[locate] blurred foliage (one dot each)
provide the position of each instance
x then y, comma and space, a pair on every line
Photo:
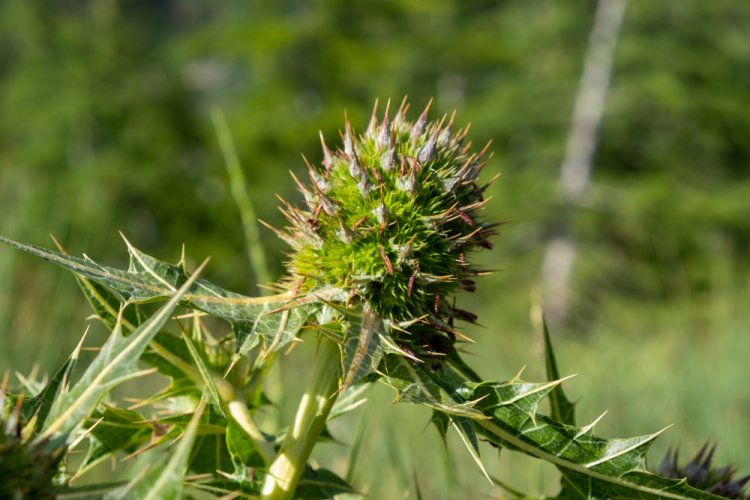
105, 126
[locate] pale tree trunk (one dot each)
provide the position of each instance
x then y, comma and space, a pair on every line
575, 173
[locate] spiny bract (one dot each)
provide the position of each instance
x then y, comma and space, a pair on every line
390, 218
27, 469
700, 473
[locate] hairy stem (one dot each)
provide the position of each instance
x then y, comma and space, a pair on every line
312, 414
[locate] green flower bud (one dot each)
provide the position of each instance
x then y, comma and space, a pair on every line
391, 218
700, 473
27, 469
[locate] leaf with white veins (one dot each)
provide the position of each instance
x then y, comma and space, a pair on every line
148, 279
115, 363
165, 481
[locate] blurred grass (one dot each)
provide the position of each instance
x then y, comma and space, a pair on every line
106, 127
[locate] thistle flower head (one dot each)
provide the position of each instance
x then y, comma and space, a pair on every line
391, 217
700, 473
27, 468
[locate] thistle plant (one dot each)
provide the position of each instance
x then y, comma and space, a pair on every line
380, 246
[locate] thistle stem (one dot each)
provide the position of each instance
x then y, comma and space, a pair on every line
314, 407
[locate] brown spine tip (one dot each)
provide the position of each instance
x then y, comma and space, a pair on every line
386, 260
359, 222
373, 125
446, 135
465, 217
306, 194
289, 240
327, 158
410, 285
418, 128
401, 113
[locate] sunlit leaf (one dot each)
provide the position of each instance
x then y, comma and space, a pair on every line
562, 409
321, 484
116, 429
592, 467
254, 319
416, 385
362, 348
115, 363
164, 481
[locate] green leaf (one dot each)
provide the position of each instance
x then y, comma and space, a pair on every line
466, 431
362, 348
107, 305
39, 406
115, 363
562, 409
210, 453
170, 356
418, 386
506, 415
148, 279
118, 429
592, 467
86, 492
321, 484
208, 379
276, 327
166, 481
242, 449
349, 400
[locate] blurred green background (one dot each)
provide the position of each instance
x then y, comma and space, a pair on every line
105, 126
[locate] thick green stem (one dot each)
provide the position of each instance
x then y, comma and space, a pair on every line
311, 417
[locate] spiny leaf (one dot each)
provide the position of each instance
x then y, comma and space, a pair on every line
114, 364
170, 356
362, 350
213, 393
592, 467
242, 449
321, 484
416, 385
148, 279
466, 431
165, 482
562, 409
276, 328
39, 406
118, 429
107, 305
87, 491
348, 400
506, 415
